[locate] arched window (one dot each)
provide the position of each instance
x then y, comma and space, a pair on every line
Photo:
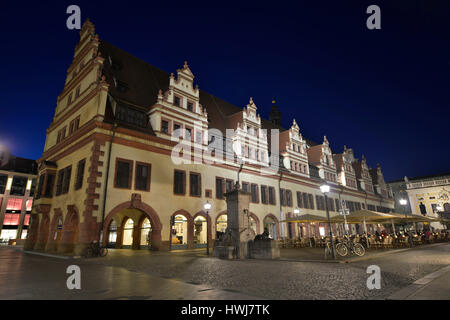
200, 231
128, 233
145, 231
112, 234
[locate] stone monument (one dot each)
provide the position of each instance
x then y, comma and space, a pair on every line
238, 241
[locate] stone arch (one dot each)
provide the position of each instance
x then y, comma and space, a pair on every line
277, 224
258, 223
70, 230
208, 219
190, 226
147, 210
54, 235
220, 214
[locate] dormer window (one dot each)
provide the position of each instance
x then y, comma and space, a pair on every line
165, 126
176, 101
190, 106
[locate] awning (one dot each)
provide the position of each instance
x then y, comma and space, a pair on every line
363, 216
306, 218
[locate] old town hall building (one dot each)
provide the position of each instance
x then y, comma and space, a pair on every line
107, 167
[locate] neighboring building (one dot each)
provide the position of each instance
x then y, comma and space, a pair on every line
17, 186
107, 160
427, 195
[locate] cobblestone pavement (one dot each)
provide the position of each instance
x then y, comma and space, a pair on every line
288, 279
141, 274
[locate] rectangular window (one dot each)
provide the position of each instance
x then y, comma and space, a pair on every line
80, 174
219, 188
330, 204
272, 195
14, 205
299, 200
3, 179
142, 179
245, 186
264, 194
59, 182
66, 181
18, 186
176, 101
131, 116
70, 128
69, 99
306, 201
165, 126
283, 197
190, 106
336, 204
198, 136
177, 130
11, 219
311, 201
255, 195
289, 198
188, 134
179, 182
229, 185
48, 193
195, 186
29, 205
124, 170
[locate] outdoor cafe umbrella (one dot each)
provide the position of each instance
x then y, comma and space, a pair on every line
305, 218
364, 216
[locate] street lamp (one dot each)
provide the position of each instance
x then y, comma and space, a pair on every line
296, 211
325, 189
404, 202
207, 207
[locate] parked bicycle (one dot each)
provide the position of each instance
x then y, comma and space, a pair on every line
347, 245
95, 250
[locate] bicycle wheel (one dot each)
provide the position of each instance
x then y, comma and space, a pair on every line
341, 249
103, 252
359, 249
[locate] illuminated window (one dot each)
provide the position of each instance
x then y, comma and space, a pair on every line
26, 222
29, 204
11, 219
14, 204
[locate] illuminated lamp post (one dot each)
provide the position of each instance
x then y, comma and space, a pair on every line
325, 189
207, 207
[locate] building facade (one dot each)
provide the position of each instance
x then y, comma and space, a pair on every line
427, 196
17, 188
132, 149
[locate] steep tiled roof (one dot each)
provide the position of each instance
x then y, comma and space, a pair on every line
137, 82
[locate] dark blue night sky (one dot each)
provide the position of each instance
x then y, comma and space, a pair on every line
384, 93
